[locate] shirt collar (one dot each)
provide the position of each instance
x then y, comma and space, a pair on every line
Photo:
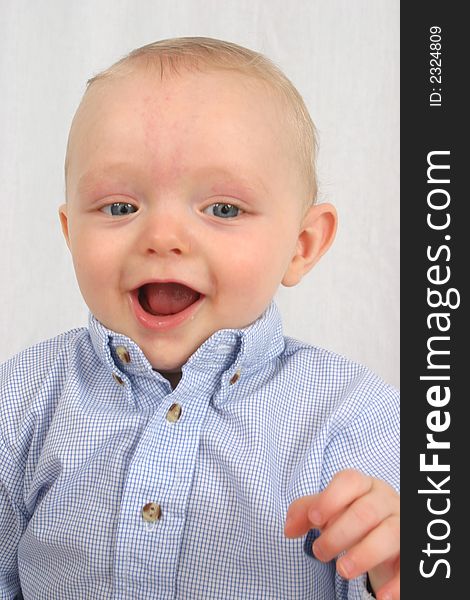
227, 351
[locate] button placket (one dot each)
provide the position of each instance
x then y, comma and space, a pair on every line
157, 473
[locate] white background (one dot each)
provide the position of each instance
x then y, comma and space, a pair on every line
342, 55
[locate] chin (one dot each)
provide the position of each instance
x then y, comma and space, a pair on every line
166, 366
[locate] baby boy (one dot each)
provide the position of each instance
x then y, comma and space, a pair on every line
181, 446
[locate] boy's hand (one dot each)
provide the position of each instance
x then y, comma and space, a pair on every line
359, 515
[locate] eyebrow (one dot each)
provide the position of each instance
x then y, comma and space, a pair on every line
230, 177
227, 177
92, 177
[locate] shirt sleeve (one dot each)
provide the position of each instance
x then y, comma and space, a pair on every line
16, 389
13, 522
368, 441
366, 436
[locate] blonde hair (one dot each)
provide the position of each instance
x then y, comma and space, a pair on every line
196, 52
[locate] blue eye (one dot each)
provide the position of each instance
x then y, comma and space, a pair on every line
119, 209
225, 211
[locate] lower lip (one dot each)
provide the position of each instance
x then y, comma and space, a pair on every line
162, 322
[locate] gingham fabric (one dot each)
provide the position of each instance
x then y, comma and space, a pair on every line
95, 446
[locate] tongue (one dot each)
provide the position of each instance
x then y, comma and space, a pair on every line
166, 298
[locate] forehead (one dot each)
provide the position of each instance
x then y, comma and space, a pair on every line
210, 119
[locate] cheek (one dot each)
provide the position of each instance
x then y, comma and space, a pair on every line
250, 268
93, 258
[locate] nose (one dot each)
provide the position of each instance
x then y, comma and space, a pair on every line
165, 232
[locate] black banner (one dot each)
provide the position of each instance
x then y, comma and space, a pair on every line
434, 293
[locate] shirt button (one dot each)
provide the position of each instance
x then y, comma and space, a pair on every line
151, 512
174, 413
123, 354
235, 377
118, 379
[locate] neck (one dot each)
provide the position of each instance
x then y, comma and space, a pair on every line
173, 377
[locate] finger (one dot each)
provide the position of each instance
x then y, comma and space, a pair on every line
349, 527
297, 521
381, 545
342, 490
390, 591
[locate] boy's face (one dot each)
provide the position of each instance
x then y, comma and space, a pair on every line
190, 179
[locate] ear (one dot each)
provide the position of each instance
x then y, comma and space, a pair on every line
317, 232
64, 222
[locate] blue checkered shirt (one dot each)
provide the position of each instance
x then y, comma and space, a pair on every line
113, 485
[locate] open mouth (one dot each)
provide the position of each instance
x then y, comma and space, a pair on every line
164, 299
